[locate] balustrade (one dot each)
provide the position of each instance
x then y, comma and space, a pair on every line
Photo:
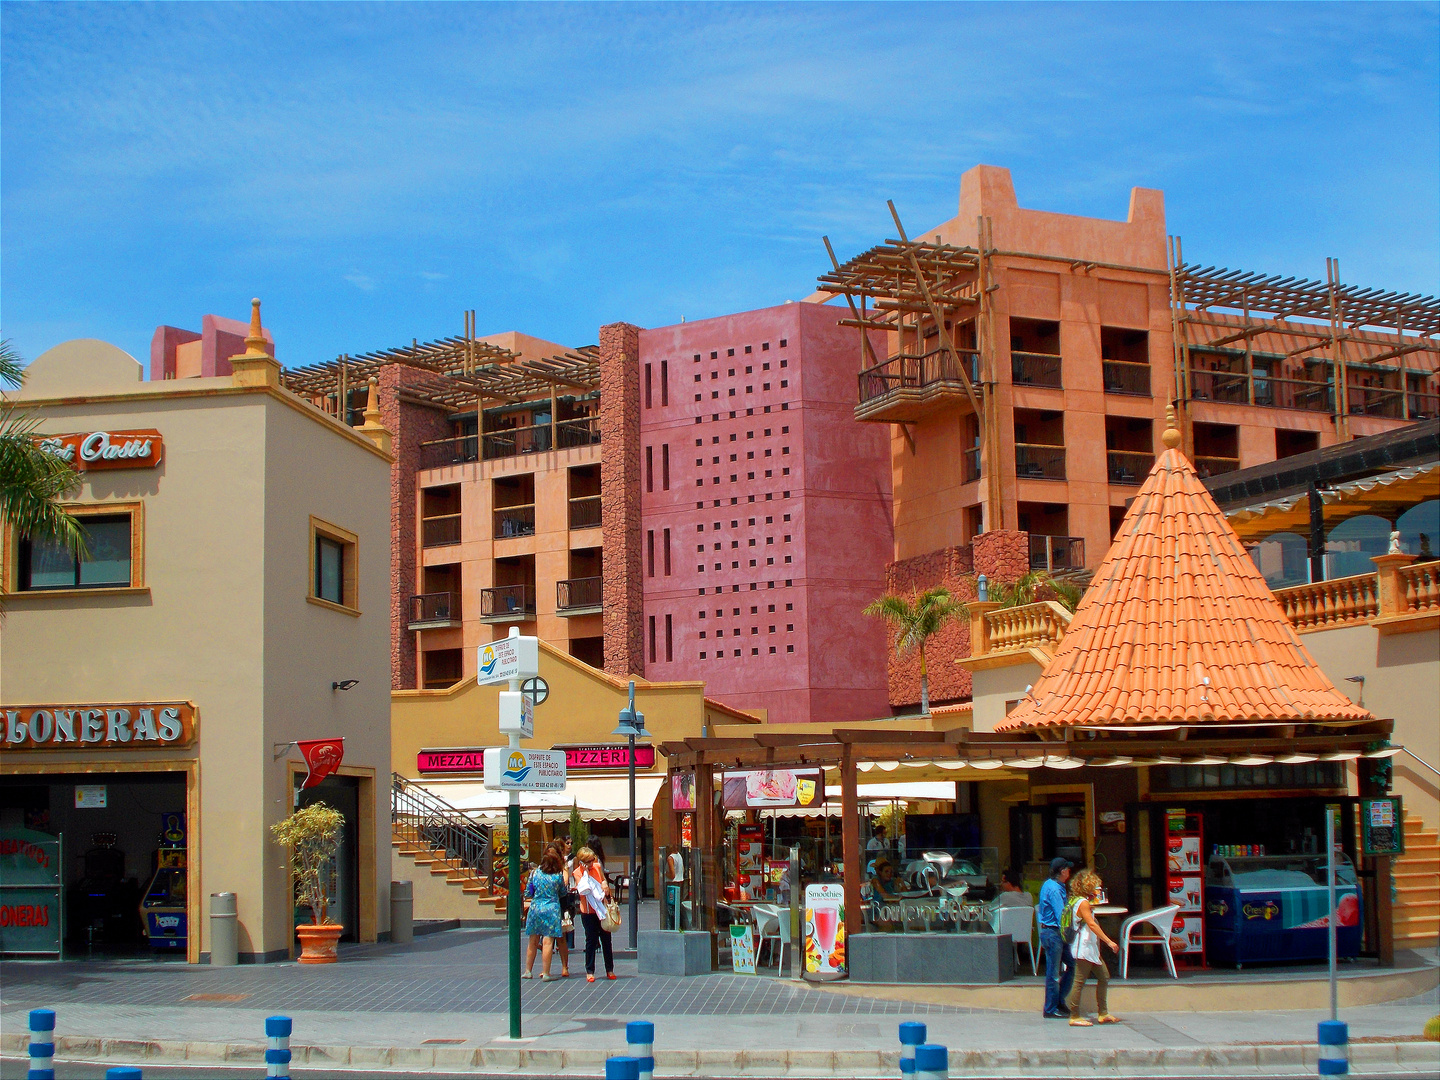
1033, 626
1325, 604
1421, 586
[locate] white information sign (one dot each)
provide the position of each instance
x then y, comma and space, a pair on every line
513, 657
524, 770
90, 797
517, 714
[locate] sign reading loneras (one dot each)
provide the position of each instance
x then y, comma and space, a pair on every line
88, 450
100, 727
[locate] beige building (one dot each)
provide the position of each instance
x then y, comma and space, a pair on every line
235, 598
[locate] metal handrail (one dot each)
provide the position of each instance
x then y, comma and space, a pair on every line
441, 825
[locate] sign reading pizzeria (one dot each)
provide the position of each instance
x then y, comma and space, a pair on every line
89, 450
577, 759
101, 727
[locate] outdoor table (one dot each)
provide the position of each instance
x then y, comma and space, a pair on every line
1109, 909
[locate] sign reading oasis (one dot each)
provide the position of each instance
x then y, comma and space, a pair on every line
87, 450
101, 727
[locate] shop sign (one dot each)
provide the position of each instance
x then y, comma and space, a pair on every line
577, 759
322, 757
824, 932
29, 892
773, 788
107, 727
89, 450
524, 770
1382, 826
516, 657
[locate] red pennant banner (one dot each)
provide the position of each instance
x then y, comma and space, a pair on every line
322, 757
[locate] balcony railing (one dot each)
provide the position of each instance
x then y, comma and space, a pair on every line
1208, 465
585, 512
507, 603
1053, 553
1038, 461
972, 465
1424, 406
440, 530
1126, 377
1376, 401
1234, 387
510, 442
1128, 467
1338, 602
1035, 369
1033, 626
1421, 586
906, 371
575, 594
511, 521
431, 610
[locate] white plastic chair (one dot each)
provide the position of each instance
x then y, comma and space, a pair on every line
1019, 923
767, 926
1159, 920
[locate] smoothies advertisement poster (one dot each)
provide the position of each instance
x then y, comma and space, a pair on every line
777, 788
824, 932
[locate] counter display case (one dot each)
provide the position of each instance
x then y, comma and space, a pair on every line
1268, 908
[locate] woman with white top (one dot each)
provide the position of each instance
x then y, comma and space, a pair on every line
594, 890
1086, 950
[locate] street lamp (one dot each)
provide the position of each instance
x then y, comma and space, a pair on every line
632, 723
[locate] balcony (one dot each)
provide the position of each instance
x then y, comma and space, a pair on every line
578, 596
440, 531
1233, 387
434, 611
908, 387
514, 521
1124, 377
585, 512
1128, 467
1053, 553
1207, 465
507, 603
1035, 461
511, 442
456, 451
1035, 369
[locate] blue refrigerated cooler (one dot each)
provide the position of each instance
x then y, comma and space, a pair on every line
1277, 907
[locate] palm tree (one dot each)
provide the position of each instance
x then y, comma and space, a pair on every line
32, 481
1023, 591
917, 619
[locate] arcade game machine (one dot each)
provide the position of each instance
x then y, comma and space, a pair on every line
163, 909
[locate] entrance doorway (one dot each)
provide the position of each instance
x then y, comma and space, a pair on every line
340, 793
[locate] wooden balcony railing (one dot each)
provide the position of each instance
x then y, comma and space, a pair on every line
1128, 467
1326, 604
1039, 461
574, 593
585, 512
1126, 377
1034, 369
507, 602
915, 371
1212, 465
510, 442
511, 521
440, 530
431, 610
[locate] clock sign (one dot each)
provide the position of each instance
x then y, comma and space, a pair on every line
536, 689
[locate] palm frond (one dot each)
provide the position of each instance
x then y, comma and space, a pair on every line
916, 618
12, 368
32, 482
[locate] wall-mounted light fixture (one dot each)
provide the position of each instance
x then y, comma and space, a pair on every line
345, 684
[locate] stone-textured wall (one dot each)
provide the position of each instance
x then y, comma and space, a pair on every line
410, 424
1002, 555
623, 613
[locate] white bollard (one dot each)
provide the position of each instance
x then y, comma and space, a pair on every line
912, 1034
640, 1044
277, 1054
42, 1045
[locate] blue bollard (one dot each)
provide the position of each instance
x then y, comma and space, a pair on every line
123, 1072
932, 1062
912, 1034
640, 1043
277, 1054
1334, 1048
622, 1068
42, 1045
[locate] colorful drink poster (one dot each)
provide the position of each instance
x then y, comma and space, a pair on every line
682, 791
824, 932
742, 948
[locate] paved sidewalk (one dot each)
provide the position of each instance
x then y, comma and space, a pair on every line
441, 1005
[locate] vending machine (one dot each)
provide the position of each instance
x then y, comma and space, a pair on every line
1185, 876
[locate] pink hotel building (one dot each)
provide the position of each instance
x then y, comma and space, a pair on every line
765, 514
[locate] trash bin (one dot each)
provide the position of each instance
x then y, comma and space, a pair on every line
224, 930
402, 912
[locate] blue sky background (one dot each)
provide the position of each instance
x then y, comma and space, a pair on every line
373, 170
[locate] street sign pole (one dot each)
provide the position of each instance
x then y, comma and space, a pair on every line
514, 905
632, 723
1330, 922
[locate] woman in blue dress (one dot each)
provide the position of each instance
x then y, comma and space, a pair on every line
542, 924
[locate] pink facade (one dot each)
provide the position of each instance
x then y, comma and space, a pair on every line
184, 354
765, 515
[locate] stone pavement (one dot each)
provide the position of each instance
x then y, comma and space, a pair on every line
441, 1004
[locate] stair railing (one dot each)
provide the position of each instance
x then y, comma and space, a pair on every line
440, 825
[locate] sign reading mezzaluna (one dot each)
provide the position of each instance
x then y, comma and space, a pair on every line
577, 758
100, 727
88, 450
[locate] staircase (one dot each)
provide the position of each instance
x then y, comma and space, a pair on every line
1417, 887
451, 846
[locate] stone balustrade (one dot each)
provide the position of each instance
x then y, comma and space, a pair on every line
1033, 626
1326, 604
1421, 585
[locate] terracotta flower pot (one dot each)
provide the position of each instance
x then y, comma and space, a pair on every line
317, 943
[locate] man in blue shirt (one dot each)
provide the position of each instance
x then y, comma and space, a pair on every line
1059, 965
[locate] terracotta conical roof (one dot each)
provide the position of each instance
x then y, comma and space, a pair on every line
1175, 601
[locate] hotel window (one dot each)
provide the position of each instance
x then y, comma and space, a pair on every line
665, 466
652, 639
664, 382
334, 556
669, 639
650, 552
649, 468
667, 554
112, 559
647, 386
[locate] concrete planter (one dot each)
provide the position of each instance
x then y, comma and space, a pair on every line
674, 952
931, 958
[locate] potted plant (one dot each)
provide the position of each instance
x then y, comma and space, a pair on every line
312, 836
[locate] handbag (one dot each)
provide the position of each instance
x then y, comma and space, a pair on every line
611, 922
569, 900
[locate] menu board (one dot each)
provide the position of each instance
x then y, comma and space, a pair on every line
1184, 842
749, 846
1382, 826
742, 948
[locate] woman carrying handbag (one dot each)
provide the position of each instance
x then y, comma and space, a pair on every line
596, 900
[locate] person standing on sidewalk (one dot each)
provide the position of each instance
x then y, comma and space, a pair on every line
542, 924
1088, 937
594, 890
1059, 966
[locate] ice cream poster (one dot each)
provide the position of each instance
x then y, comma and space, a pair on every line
772, 788
824, 932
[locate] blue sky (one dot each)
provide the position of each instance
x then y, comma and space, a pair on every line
371, 171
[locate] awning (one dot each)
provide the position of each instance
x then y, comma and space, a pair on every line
597, 798
1291, 513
